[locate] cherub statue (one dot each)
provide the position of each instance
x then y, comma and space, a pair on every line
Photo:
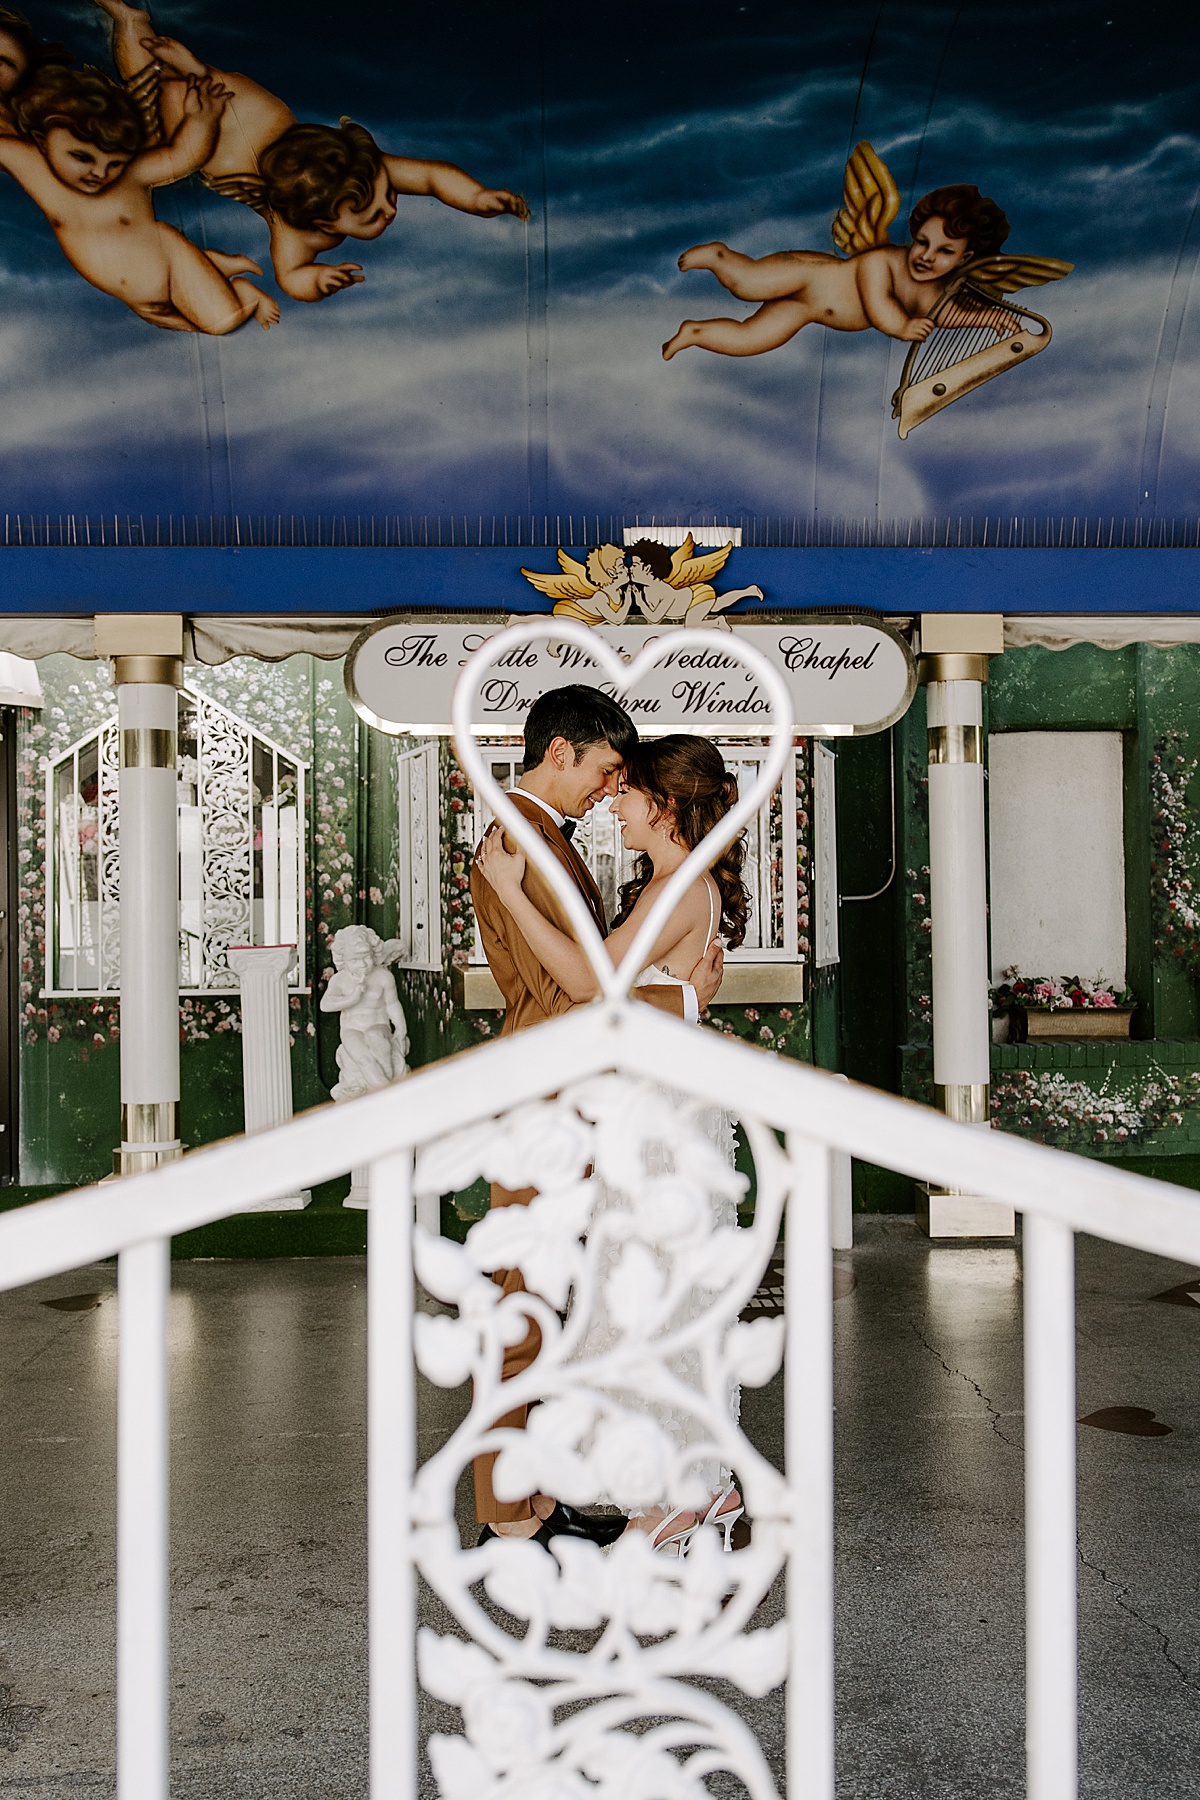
374, 1029
662, 586
956, 234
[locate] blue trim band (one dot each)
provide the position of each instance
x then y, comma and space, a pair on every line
333, 581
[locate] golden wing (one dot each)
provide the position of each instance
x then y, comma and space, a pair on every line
144, 89
248, 189
687, 568
870, 201
999, 275
572, 584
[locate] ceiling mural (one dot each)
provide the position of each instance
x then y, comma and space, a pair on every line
481, 239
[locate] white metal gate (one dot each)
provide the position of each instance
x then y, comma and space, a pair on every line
627, 1172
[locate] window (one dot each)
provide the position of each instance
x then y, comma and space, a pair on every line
1056, 830
770, 870
825, 876
241, 853
420, 912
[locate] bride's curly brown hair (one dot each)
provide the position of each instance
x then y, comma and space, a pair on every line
687, 777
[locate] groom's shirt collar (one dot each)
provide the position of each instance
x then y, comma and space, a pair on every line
551, 811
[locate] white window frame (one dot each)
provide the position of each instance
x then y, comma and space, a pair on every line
826, 950
418, 794
276, 882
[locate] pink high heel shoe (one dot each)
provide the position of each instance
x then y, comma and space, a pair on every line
725, 1520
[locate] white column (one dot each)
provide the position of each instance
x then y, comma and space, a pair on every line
958, 910
958, 897
262, 971
147, 709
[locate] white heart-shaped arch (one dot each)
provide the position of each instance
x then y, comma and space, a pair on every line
615, 982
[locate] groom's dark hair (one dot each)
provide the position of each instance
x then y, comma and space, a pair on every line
582, 715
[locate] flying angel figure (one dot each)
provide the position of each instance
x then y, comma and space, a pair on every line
949, 281
662, 586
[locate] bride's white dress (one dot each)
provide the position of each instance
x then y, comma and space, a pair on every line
603, 1334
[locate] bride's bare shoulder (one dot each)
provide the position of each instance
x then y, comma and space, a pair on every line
690, 909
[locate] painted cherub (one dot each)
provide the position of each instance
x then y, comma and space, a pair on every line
956, 232
315, 185
374, 1031
664, 586
22, 55
81, 156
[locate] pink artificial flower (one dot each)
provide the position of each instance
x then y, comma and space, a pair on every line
1102, 998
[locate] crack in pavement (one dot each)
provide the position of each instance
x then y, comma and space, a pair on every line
994, 1416
1121, 1595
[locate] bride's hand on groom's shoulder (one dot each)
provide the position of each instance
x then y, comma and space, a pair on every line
503, 869
708, 972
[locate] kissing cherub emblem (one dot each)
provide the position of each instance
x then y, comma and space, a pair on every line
944, 293
649, 581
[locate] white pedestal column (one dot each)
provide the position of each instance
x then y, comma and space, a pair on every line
147, 708
958, 909
262, 971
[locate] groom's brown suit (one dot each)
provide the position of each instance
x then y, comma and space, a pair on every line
531, 996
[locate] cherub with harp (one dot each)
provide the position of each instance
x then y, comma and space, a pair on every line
950, 280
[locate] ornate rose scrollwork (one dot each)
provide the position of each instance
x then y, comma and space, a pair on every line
612, 1709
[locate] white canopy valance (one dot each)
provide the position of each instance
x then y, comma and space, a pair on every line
1108, 631
206, 640
216, 640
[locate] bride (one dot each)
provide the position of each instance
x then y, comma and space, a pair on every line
674, 790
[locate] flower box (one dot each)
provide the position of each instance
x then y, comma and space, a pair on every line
1077, 1024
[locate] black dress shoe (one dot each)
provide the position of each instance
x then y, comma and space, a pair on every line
602, 1529
541, 1536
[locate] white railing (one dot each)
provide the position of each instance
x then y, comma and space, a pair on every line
413, 1132
636, 1279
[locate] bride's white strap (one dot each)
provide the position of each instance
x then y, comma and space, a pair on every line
712, 911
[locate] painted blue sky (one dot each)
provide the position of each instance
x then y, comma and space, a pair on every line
490, 367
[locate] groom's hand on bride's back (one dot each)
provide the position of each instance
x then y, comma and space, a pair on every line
707, 977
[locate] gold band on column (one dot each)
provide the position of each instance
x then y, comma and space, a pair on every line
159, 671
952, 665
955, 743
149, 747
970, 1102
149, 1136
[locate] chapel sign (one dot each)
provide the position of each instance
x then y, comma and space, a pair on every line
847, 677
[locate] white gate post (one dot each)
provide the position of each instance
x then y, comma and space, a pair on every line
808, 1460
147, 657
954, 667
1051, 1587
262, 971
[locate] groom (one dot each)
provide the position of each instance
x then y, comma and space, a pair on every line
576, 741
